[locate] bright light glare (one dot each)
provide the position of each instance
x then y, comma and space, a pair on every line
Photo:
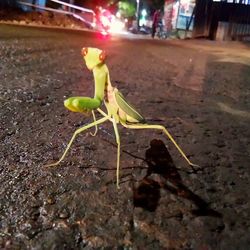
144, 12
104, 33
118, 14
105, 21
116, 26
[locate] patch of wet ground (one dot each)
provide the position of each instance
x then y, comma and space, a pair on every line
162, 203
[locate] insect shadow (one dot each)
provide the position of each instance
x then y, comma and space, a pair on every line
163, 174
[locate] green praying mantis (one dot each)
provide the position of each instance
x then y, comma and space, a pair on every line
118, 109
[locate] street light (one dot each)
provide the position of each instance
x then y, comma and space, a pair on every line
143, 17
138, 14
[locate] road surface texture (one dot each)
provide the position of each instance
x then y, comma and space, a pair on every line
199, 90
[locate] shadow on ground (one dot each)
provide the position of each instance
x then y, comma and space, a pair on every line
160, 162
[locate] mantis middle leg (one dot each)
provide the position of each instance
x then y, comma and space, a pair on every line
96, 128
117, 136
165, 131
78, 131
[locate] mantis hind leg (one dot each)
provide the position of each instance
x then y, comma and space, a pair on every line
165, 131
74, 136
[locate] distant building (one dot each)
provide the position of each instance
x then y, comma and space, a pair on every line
222, 19
213, 19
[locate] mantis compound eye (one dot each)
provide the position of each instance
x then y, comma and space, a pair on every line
84, 51
102, 56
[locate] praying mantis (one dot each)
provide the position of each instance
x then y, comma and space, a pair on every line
119, 111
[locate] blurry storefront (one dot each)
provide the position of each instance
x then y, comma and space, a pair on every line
213, 19
179, 15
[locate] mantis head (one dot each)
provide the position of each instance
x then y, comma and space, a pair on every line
93, 57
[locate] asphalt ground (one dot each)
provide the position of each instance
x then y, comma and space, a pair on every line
198, 90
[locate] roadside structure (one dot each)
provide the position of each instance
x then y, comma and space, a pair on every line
212, 19
222, 20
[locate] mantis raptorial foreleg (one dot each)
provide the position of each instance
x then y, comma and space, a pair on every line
165, 131
78, 131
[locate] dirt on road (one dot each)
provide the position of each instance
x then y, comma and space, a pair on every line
198, 90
